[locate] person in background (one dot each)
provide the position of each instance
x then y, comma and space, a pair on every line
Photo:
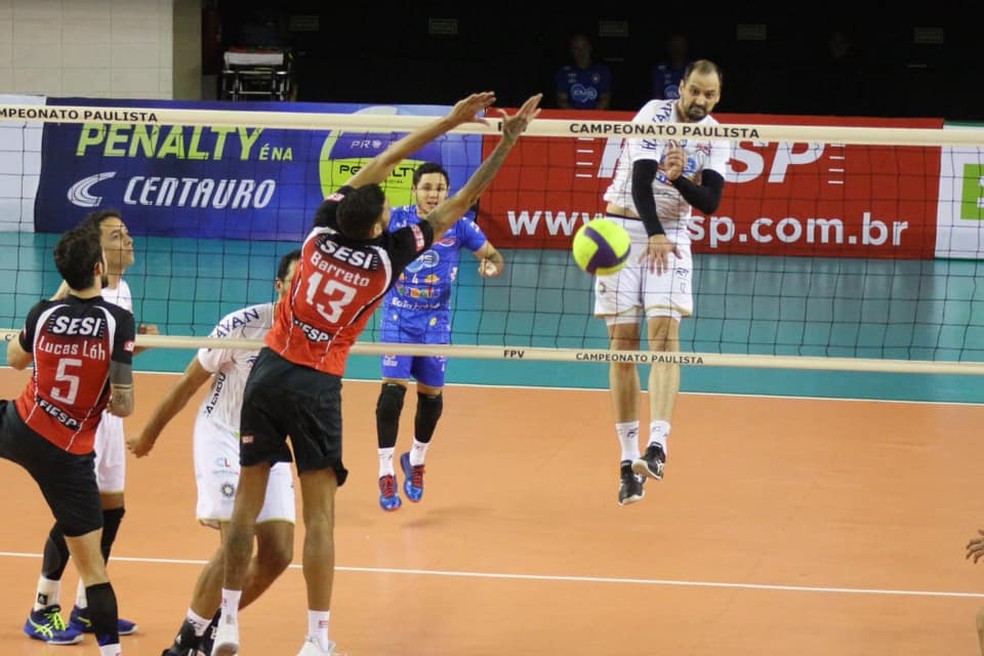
668, 73
584, 83
216, 440
417, 310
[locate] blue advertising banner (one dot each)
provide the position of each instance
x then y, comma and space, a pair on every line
221, 181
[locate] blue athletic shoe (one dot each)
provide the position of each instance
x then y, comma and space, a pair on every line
49, 625
79, 620
413, 475
389, 500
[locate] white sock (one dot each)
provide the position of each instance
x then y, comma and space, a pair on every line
318, 627
418, 452
200, 623
628, 436
230, 604
48, 593
110, 650
659, 431
80, 599
386, 461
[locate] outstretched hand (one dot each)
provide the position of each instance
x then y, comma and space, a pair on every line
466, 110
515, 125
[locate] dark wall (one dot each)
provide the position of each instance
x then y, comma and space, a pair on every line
385, 55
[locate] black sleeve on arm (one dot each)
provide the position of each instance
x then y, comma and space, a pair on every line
643, 174
126, 335
408, 242
707, 195
27, 333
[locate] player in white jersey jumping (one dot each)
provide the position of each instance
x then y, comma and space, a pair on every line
45, 621
216, 455
656, 184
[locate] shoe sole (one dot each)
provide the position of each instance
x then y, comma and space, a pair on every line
56, 643
225, 649
392, 508
641, 467
629, 501
89, 631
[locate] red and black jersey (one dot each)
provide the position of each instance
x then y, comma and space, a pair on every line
73, 341
337, 285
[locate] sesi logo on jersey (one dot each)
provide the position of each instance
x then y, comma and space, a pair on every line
85, 326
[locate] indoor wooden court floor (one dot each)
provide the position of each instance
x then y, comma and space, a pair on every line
784, 526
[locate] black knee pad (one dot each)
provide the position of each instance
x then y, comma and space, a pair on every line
388, 409
111, 526
429, 409
55, 555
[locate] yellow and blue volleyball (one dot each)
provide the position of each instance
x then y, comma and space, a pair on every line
601, 246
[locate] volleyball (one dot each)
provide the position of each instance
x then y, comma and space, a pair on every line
601, 246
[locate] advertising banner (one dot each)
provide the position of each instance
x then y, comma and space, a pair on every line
220, 181
809, 199
960, 230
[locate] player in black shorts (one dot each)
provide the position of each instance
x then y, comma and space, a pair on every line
82, 350
348, 262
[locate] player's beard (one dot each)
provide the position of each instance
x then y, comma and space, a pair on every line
696, 112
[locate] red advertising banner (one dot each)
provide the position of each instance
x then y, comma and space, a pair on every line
807, 199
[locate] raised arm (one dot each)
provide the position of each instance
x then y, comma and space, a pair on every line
382, 165
449, 211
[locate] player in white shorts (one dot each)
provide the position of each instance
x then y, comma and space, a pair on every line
216, 456
655, 185
110, 461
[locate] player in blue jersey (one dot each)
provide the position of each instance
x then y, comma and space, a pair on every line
417, 310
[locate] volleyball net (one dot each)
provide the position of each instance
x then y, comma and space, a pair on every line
850, 247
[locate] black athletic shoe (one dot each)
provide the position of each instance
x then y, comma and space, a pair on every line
208, 638
185, 643
630, 488
651, 463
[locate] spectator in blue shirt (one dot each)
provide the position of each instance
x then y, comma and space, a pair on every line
668, 73
584, 84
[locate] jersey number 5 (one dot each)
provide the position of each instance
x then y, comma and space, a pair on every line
68, 393
335, 295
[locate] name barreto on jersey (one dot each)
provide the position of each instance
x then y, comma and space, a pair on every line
333, 258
